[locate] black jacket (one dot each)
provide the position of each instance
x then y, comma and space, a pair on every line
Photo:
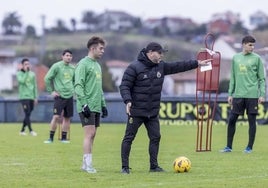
142, 83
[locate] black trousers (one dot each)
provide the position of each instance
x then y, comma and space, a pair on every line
28, 106
153, 132
232, 128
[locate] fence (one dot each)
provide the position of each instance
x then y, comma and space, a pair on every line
173, 111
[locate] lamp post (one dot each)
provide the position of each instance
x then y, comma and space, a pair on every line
43, 38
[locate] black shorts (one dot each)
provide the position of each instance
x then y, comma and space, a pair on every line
94, 119
239, 106
63, 105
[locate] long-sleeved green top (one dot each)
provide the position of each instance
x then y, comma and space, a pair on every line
247, 76
60, 78
88, 85
27, 85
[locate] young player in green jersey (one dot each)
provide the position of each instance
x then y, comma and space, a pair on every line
246, 91
59, 82
90, 99
27, 94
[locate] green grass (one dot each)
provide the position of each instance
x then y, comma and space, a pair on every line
26, 162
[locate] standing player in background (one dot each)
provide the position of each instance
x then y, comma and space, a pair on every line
246, 91
90, 98
27, 94
59, 82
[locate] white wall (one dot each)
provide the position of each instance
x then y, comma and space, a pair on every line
7, 72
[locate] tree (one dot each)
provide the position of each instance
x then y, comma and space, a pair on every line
12, 24
239, 28
262, 27
89, 18
73, 23
30, 31
137, 23
60, 27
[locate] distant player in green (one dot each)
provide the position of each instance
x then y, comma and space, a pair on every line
27, 94
90, 98
246, 91
59, 82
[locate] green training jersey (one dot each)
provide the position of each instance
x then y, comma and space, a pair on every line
60, 78
247, 76
88, 85
27, 85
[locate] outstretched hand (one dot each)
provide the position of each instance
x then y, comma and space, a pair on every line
204, 62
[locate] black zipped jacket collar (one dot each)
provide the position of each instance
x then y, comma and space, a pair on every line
142, 57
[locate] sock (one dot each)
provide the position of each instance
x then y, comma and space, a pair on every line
64, 135
51, 135
88, 159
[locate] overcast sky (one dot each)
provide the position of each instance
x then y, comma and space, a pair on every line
30, 11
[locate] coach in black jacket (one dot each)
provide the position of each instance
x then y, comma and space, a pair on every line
141, 92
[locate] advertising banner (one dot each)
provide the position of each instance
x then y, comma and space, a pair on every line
185, 113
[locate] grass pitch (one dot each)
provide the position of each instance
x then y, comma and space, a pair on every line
25, 161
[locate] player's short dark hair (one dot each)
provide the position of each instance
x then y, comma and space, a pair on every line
248, 39
23, 60
94, 41
67, 51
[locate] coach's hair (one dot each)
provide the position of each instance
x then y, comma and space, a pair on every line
248, 39
67, 51
23, 60
95, 40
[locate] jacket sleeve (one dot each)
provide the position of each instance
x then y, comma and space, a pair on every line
127, 83
232, 80
35, 88
22, 76
103, 103
49, 78
181, 66
79, 86
261, 78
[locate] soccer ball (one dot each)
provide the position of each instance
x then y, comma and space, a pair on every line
181, 164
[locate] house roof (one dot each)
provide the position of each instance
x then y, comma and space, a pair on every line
226, 50
116, 13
